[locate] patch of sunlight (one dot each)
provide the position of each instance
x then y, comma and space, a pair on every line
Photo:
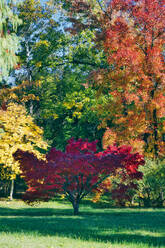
134, 232
148, 233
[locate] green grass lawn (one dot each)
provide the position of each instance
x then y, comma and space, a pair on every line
52, 225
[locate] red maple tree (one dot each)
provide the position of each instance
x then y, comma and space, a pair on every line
77, 171
132, 33
134, 45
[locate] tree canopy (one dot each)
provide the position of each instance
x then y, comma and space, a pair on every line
9, 41
77, 171
17, 131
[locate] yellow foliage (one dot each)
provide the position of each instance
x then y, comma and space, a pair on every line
97, 196
39, 64
63, 196
55, 116
109, 138
107, 185
19, 132
77, 114
68, 105
42, 43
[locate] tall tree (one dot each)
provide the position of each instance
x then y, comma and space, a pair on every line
38, 26
9, 42
52, 75
67, 109
132, 34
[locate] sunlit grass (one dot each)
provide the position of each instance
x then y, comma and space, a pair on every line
52, 225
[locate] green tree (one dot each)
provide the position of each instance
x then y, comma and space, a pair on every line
67, 109
9, 42
53, 77
151, 188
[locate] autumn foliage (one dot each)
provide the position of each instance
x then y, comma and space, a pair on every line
134, 45
132, 36
17, 131
77, 171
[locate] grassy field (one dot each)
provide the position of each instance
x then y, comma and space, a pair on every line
52, 225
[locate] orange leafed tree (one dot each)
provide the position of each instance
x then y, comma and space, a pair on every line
132, 33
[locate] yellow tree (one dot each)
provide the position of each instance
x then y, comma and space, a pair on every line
17, 131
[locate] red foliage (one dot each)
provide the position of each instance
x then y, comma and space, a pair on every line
134, 45
77, 171
131, 32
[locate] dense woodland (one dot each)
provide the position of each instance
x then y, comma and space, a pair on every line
82, 96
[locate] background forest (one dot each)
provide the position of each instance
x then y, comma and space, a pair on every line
89, 69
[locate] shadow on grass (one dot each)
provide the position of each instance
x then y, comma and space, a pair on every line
101, 226
34, 212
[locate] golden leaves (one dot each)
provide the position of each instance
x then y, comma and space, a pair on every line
109, 138
20, 132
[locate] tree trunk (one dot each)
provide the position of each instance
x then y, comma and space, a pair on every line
11, 189
155, 133
31, 108
75, 205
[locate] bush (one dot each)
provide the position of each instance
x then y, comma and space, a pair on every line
151, 188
